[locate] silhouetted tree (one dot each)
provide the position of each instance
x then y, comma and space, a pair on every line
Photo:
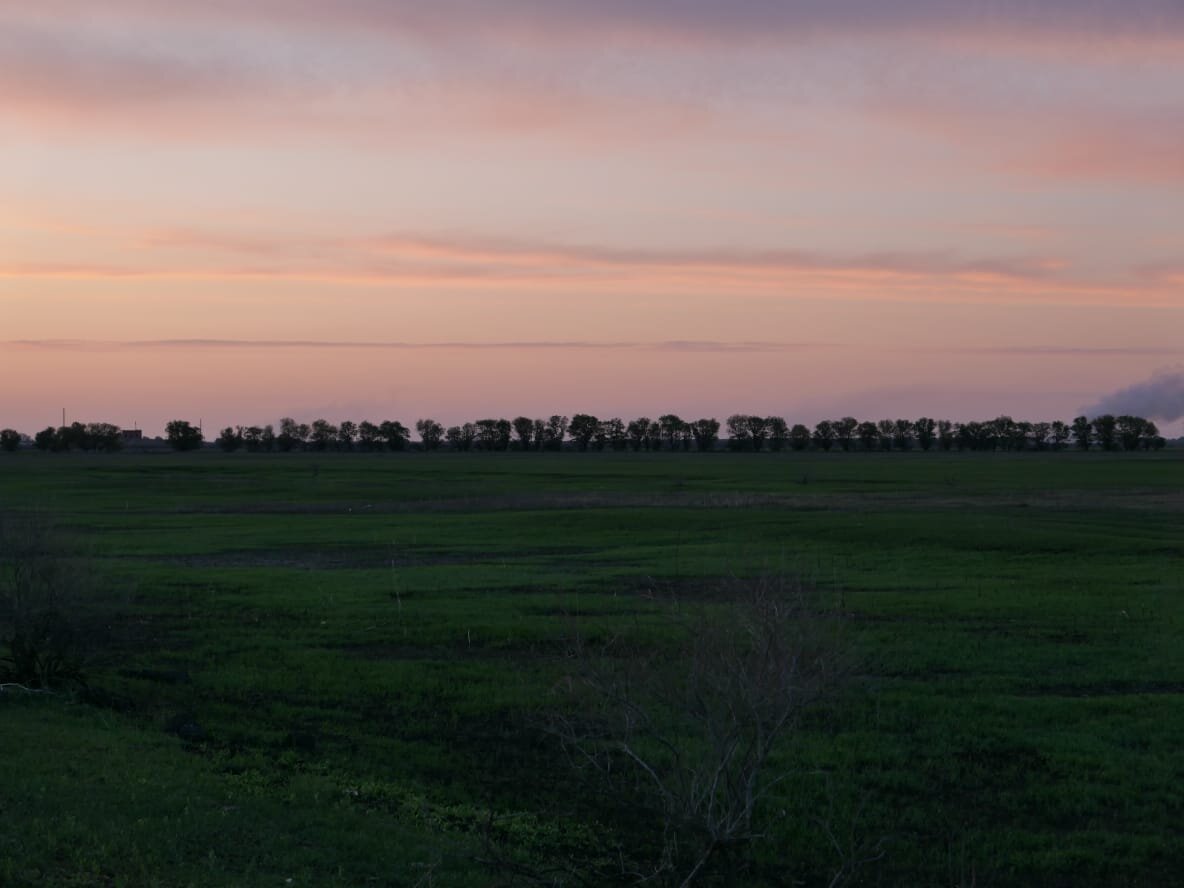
524, 429
286, 439
1105, 431
653, 436
468, 433
758, 431
101, 436
1004, 433
10, 440
845, 430
1083, 434
183, 436
945, 434
1130, 431
886, 427
799, 437
670, 430
430, 433
486, 438
369, 436
869, 435
994, 433
46, 439
706, 433
73, 437
971, 436
461, 437
1059, 433
68, 437
347, 434
639, 432
600, 436
394, 434
1039, 434
253, 438
614, 430
1023, 435
778, 430
231, 439
925, 429
77, 436
1152, 439
293, 435
583, 428
554, 433
824, 435
739, 437
323, 435
902, 434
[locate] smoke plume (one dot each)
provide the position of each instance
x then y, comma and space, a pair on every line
1160, 397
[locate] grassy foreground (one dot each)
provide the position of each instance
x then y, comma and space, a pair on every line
364, 648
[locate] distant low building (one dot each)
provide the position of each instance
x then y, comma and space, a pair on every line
131, 435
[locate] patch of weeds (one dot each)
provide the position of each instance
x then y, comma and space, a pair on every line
41, 633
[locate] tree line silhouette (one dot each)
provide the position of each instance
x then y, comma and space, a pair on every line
583, 432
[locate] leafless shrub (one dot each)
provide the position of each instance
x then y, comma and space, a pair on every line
691, 729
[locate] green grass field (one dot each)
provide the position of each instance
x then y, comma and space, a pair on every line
371, 643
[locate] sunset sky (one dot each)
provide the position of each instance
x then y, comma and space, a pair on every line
233, 211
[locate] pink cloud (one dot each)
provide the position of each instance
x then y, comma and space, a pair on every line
296, 81
1147, 151
468, 262
1084, 143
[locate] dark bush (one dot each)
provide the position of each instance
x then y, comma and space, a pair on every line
41, 587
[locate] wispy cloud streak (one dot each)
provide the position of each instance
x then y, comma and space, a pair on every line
676, 345
466, 262
464, 256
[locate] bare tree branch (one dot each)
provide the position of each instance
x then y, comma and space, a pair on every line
699, 727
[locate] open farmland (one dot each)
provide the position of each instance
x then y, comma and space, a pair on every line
340, 669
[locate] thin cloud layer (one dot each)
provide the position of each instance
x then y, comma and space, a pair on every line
378, 72
695, 21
